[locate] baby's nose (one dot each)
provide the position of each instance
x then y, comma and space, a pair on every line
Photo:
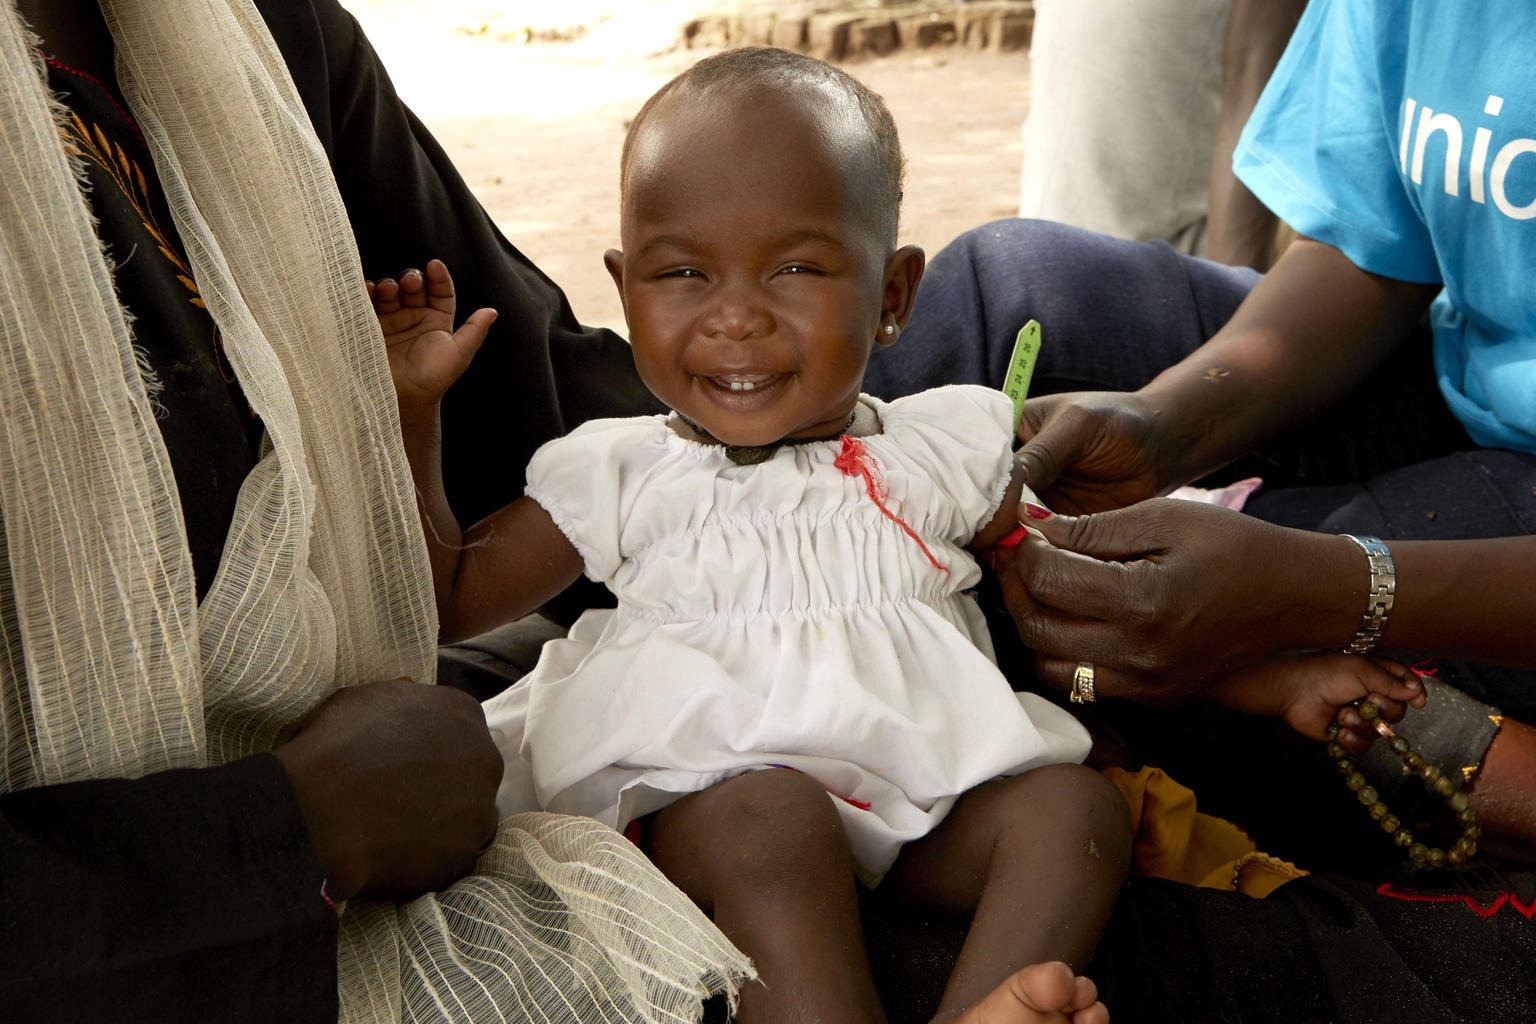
737, 313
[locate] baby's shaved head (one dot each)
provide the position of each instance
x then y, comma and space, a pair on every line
853, 120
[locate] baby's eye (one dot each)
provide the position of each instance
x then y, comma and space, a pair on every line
799, 268
683, 272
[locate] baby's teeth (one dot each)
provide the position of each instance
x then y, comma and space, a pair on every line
743, 385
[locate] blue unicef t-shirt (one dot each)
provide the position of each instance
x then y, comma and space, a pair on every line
1403, 132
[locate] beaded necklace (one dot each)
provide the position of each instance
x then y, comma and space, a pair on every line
1435, 782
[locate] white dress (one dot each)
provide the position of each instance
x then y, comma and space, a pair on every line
773, 615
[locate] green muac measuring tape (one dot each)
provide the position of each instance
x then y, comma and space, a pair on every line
1021, 367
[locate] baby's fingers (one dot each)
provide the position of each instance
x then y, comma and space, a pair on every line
1355, 733
385, 294
1401, 682
439, 285
1354, 740
1375, 707
1388, 709
1362, 723
413, 288
471, 333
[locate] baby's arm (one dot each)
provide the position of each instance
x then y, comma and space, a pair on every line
1308, 690
512, 561
1006, 520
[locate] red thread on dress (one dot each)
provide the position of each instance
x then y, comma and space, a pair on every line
855, 460
1480, 909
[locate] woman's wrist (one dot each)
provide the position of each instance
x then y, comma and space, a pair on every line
1501, 792
1330, 578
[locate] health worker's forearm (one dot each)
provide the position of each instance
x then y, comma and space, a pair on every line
1463, 599
1309, 332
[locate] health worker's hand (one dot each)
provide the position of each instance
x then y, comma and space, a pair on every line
1166, 596
1092, 451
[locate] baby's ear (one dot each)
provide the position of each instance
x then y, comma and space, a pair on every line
613, 259
903, 271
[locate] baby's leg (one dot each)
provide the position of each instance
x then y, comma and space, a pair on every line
1039, 858
764, 854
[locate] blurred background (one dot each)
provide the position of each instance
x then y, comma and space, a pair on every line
531, 99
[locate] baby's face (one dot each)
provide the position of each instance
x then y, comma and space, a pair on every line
752, 288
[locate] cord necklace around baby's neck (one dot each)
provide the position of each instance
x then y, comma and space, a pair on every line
752, 454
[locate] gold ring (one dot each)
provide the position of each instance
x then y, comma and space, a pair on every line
1082, 684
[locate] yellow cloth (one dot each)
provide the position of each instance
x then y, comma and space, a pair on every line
1176, 841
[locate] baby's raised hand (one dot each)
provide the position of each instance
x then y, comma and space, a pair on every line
416, 315
1309, 691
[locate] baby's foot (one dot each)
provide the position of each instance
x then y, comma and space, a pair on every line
1046, 993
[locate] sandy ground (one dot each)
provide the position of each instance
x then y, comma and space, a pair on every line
535, 127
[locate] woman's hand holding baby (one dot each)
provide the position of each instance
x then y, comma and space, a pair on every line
1133, 592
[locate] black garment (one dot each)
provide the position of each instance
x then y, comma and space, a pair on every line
186, 896
1324, 951
194, 895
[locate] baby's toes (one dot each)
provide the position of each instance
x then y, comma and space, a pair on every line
1048, 986
1085, 996
1045, 993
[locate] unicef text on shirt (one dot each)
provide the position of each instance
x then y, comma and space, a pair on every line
1485, 180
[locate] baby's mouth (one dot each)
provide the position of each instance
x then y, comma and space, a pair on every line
742, 381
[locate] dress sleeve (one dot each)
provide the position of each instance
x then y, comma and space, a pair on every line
588, 481
1321, 147
956, 443
184, 896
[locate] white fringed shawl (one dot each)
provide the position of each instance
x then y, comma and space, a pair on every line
108, 664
